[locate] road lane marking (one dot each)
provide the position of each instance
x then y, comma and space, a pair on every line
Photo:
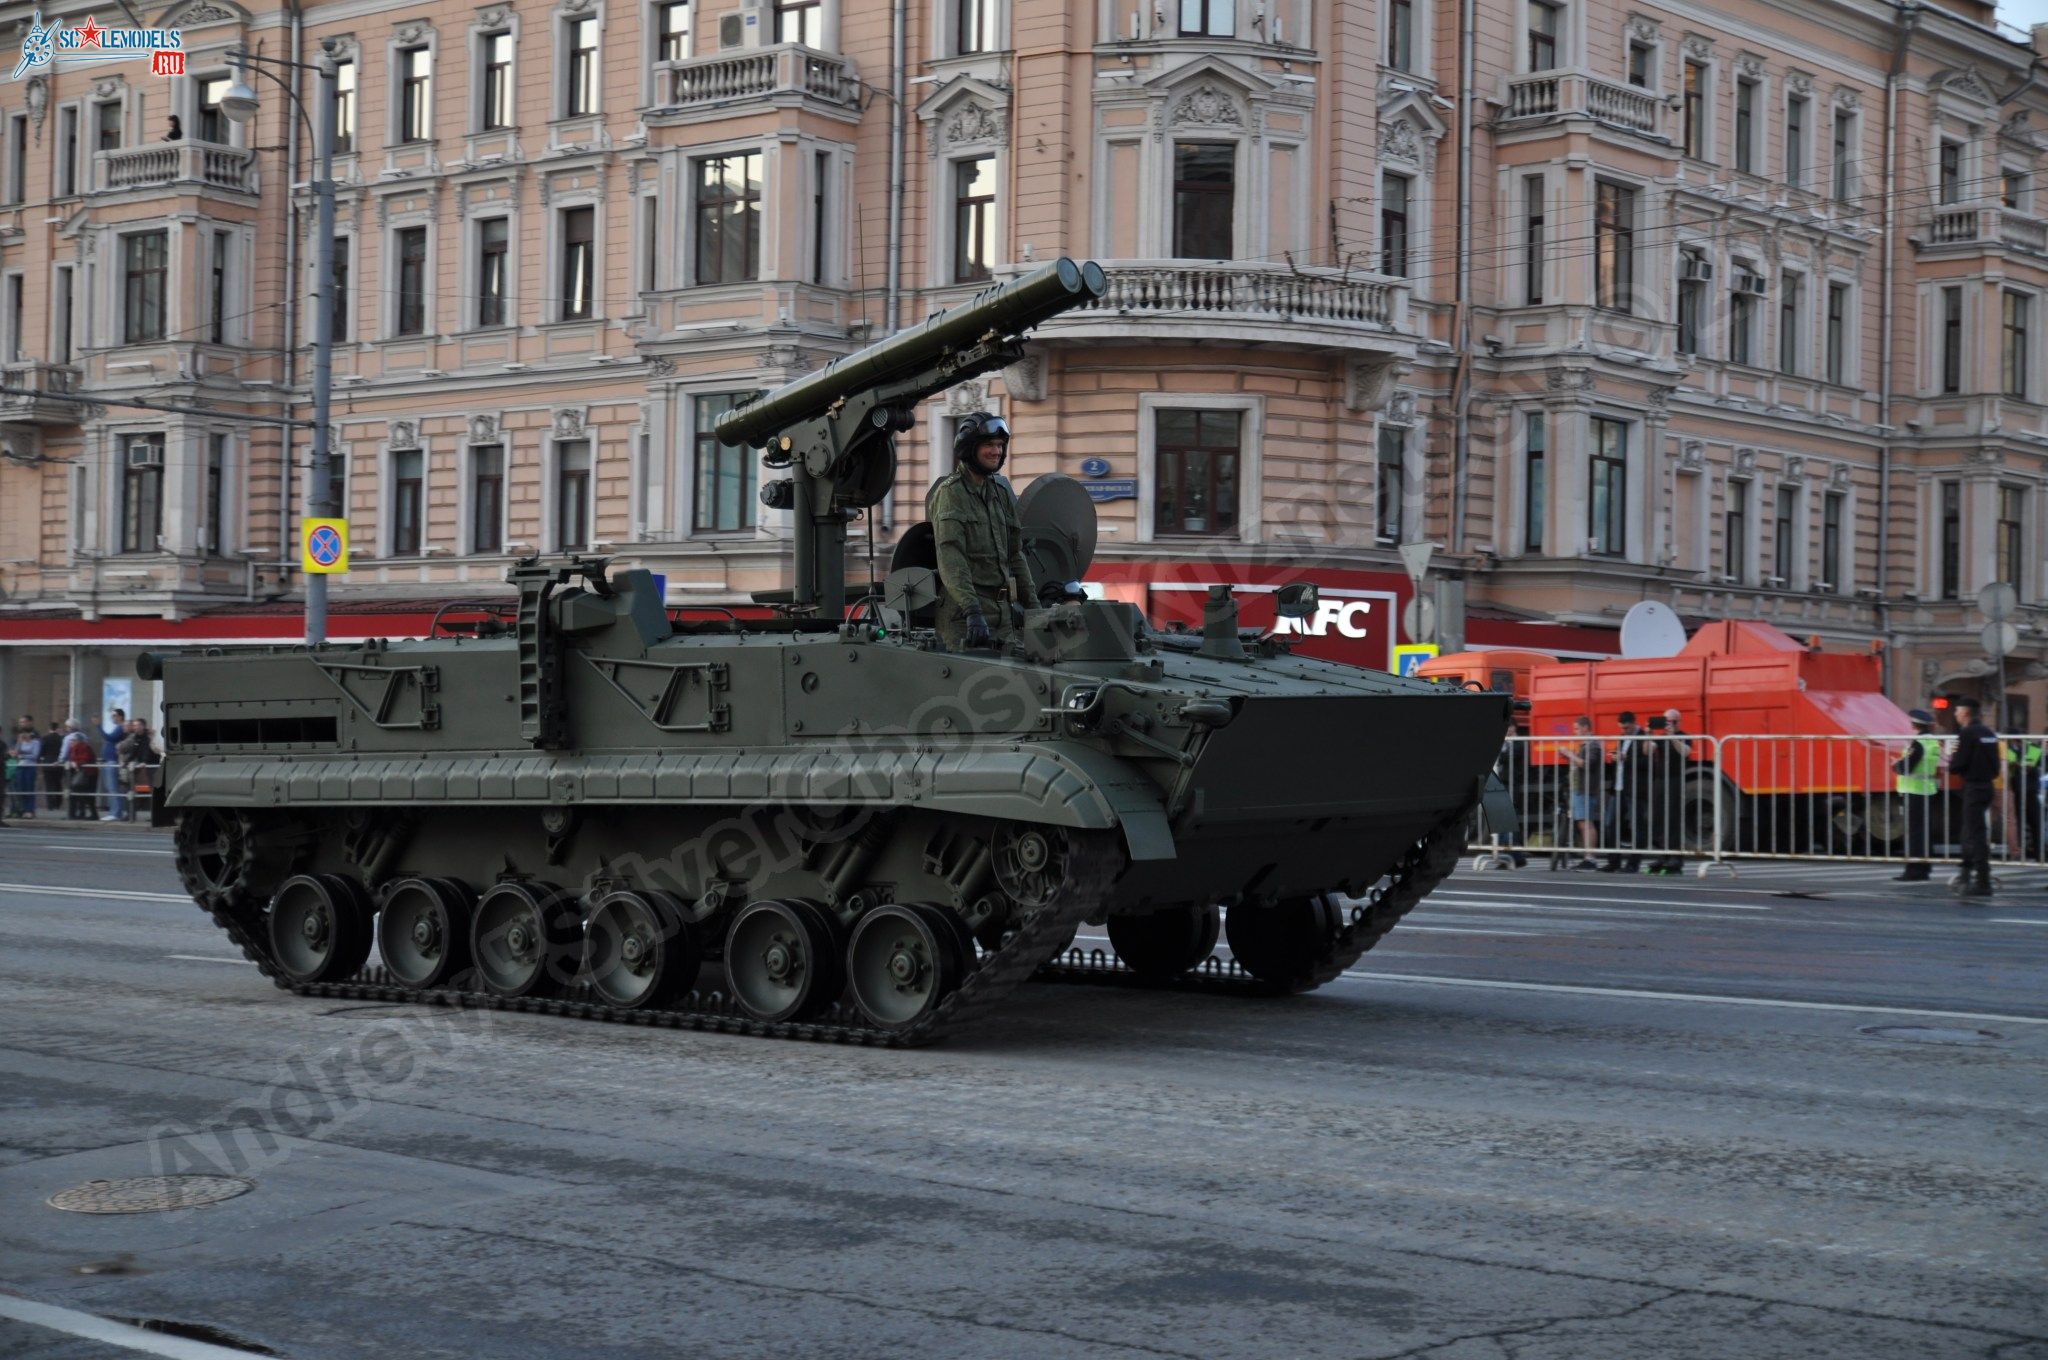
208, 958
2014, 921
1468, 893
119, 1335
53, 890
1708, 998
89, 849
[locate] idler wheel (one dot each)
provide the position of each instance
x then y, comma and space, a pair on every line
782, 961
319, 928
1283, 944
526, 939
638, 949
226, 857
1162, 945
1031, 862
902, 962
423, 932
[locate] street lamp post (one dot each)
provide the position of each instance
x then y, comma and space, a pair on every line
240, 105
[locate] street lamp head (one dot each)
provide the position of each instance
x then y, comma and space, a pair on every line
239, 103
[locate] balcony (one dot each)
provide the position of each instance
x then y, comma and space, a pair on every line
24, 401
1160, 299
1580, 94
787, 74
147, 167
1982, 225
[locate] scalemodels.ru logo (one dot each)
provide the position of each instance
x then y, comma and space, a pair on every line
47, 44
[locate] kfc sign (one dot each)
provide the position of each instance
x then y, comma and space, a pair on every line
1343, 618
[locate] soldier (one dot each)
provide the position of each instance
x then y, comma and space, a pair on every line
973, 514
1917, 777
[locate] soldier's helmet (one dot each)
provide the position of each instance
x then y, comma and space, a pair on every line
975, 428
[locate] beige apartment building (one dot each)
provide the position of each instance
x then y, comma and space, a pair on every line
1746, 311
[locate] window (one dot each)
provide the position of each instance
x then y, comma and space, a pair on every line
415, 94
1543, 25
67, 151
143, 273
1745, 126
650, 243
1951, 341
579, 263
974, 26
2018, 313
1607, 503
411, 282
728, 199
1831, 508
14, 317
579, 86
1784, 541
1692, 299
974, 214
2012, 187
1197, 455
338, 317
493, 247
821, 222
1693, 110
672, 30
1401, 34
1796, 108
1791, 301
572, 495
212, 520
497, 81
61, 317
725, 475
1735, 532
106, 126
1394, 225
1843, 164
1532, 240
1614, 247
1208, 18
1204, 200
1951, 583
1741, 322
2010, 536
217, 290
17, 158
800, 21
1535, 482
142, 492
1838, 332
407, 498
344, 107
1949, 184
1390, 484
487, 498
213, 124
1642, 65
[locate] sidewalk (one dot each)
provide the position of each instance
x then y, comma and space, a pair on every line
57, 821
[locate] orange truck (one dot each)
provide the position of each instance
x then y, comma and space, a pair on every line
1808, 736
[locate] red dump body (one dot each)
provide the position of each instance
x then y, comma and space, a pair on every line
1732, 680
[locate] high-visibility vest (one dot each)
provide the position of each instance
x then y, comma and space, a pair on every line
1923, 778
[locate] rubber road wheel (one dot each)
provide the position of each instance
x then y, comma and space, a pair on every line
1162, 945
901, 962
319, 928
1283, 944
638, 950
423, 931
526, 940
782, 961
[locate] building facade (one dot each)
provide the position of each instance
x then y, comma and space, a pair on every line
1745, 316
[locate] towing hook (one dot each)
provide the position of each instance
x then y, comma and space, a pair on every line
1208, 712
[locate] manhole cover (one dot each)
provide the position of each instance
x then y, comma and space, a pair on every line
1926, 1034
149, 1194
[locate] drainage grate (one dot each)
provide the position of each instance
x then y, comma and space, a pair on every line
1927, 1034
149, 1194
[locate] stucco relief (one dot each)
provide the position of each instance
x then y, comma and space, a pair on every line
967, 398
1692, 456
974, 121
483, 429
1206, 106
405, 434
1369, 383
1399, 139
37, 97
1745, 462
571, 422
1642, 28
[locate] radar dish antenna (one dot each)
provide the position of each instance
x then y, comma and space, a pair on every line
1058, 518
1650, 629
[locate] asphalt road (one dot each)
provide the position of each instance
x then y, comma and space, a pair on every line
1553, 1116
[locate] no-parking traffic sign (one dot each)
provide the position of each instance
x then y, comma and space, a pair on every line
323, 545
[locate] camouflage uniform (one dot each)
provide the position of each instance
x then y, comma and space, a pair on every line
981, 554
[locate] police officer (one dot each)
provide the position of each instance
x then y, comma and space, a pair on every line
1917, 777
973, 514
1975, 762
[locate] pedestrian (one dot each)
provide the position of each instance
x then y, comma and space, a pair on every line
1586, 786
6, 776
81, 772
1975, 762
1661, 785
53, 768
137, 754
28, 755
1916, 775
1625, 806
112, 803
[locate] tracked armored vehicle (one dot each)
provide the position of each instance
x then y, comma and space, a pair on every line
821, 824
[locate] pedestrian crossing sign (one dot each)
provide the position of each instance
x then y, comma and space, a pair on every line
1409, 655
324, 545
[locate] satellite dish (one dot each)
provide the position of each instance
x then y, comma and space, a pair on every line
1651, 629
910, 592
1058, 516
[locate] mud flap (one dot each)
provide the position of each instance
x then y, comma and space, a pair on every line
1146, 833
1499, 806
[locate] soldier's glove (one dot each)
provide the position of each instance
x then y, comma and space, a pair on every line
978, 634
1016, 615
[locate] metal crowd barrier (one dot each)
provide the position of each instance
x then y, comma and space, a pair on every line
42, 789
1662, 803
